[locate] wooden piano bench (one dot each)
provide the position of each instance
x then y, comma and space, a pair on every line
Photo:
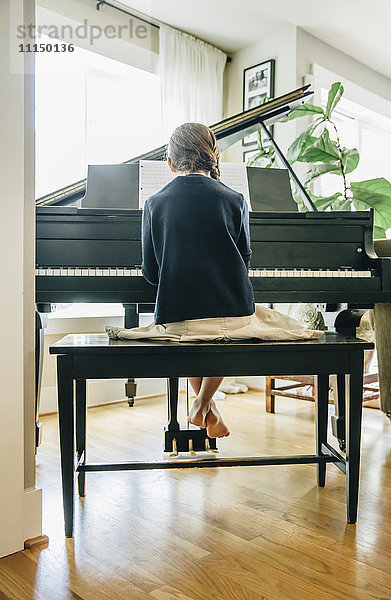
82, 357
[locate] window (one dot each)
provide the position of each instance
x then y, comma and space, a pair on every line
369, 132
90, 109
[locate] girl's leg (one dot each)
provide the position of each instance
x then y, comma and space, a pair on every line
204, 412
195, 383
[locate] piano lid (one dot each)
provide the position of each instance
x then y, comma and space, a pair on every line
228, 132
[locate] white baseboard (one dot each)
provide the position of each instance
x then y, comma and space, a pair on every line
32, 513
103, 391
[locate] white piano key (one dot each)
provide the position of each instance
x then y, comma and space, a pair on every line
133, 272
126, 272
91, 272
78, 272
139, 273
63, 272
70, 272
99, 273
112, 272
84, 272
56, 272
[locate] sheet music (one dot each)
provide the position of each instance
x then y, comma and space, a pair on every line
155, 174
234, 175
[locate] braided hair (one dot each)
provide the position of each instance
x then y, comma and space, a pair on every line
193, 147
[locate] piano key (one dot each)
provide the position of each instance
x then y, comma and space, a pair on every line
78, 272
127, 272
84, 272
91, 272
70, 272
99, 273
63, 272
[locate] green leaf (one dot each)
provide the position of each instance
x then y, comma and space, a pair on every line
302, 141
322, 169
374, 193
378, 232
323, 202
335, 95
303, 111
322, 150
350, 159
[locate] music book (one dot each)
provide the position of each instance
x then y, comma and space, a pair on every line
155, 174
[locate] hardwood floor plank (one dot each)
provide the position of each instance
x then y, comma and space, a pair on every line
260, 533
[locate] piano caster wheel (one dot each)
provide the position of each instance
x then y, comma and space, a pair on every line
342, 445
130, 402
174, 448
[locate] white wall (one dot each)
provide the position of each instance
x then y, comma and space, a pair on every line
141, 51
280, 46
311, 50
19, 507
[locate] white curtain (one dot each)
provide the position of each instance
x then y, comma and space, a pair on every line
191, 74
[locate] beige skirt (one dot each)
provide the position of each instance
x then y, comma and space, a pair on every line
264, 324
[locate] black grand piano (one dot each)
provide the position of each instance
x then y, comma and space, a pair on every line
89, 241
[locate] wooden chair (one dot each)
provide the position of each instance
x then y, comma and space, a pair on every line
370, 391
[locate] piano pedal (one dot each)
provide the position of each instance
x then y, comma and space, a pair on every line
174, 448
191, 449
188, 440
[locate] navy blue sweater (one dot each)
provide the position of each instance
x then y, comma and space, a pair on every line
196, 249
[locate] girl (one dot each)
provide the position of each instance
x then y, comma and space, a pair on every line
196, 250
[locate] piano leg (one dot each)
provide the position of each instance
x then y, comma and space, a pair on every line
41, 319
172, 392
347, 322
131, 320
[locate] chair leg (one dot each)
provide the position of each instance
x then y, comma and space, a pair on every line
322, 391
270, 399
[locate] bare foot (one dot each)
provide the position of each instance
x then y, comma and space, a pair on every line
215, 426
198, 413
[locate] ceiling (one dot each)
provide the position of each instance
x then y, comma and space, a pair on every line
360, 28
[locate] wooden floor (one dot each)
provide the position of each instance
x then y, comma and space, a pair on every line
239, 533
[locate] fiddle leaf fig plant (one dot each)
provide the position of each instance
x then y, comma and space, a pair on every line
319, 147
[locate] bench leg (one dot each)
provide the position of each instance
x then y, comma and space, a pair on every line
321, 395
81, 430
354, 383
65, 415
338, 419
172, 392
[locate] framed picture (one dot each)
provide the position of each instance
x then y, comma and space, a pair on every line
258, 84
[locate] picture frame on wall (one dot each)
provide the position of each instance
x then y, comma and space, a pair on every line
258, 84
